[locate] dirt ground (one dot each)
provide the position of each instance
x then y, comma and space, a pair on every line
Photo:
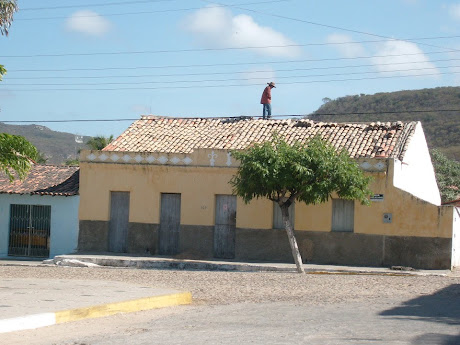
262, 308
216, 288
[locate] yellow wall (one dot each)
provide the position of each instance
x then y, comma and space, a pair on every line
198, 186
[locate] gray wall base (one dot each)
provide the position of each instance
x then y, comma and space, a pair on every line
93, 236
339, 248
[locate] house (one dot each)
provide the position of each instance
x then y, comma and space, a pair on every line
162, 188
39, 215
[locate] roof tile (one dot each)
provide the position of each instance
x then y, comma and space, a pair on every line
184, 135
44, 180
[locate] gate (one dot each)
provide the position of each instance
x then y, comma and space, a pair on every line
224, 229
29, 230
168, 235
119, 221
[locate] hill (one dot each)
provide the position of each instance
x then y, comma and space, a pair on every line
56, 146
442, 128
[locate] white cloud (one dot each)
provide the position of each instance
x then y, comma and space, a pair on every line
217, 27
397, 57
89, 23
261, 75
346, 46
454, 11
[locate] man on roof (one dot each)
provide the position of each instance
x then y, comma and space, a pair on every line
266, 101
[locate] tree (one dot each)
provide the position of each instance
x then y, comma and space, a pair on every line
7, 9
16, 155
309, 173
41, 158
447, 175
72, 161
99, 142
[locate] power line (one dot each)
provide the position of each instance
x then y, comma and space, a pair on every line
146, 12
211, 49
229, 73
232, 117
232, 85
94, 5
323, 25
224, 64
231, 79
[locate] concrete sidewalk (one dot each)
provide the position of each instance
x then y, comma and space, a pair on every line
33, 303
157, 262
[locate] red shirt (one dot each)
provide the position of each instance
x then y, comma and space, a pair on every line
266, 96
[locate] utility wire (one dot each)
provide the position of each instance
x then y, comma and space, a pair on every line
223, 64
230, 79
229, 73
243, 116
94, 5
231, 85
322, 25
146, 12
213, 49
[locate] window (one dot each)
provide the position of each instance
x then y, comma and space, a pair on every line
343, 215
278, 217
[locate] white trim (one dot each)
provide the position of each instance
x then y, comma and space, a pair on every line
27, 322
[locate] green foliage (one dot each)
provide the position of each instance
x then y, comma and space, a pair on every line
7, 9
73, 161
99, 142
41, 158
16, 155
306, 172
442, 128
2, 71
447, 175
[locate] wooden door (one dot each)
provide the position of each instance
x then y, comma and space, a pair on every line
343, 215
168, 236
224, 229
119, 221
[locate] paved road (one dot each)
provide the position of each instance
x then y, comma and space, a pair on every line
429, 320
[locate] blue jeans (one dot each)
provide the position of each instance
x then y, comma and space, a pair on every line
267, 111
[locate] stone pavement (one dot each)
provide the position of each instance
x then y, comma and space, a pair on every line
32, 303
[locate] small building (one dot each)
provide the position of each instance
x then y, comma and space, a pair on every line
162, 188
39, 215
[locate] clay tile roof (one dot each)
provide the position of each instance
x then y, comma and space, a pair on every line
44, 180
171, 135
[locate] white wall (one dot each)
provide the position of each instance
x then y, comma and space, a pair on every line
415, 174
64, 220
456, 239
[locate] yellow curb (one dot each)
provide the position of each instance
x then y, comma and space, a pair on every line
102, 310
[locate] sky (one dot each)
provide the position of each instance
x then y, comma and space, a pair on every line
78, 60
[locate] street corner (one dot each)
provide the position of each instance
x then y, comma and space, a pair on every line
48, 319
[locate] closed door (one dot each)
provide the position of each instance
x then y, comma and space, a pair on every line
168, 236
224, 229
119, 221
30, 230
343, 215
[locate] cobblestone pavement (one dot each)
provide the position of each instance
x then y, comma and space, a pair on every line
264, 308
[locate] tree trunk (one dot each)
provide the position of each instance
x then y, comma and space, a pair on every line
291, 237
